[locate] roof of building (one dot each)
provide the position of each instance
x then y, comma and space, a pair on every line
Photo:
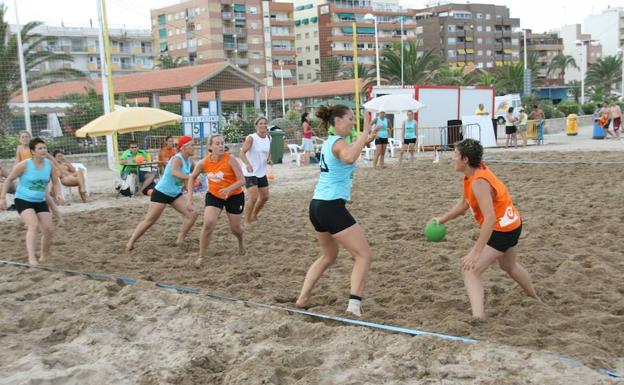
235, 85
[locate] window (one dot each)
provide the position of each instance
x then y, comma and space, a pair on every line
480, 52
298, 36
515, 41
479, 28
309, 76
315, 33
300, 76
489, 64
451, 27
169, 17
488, 52
451, 53
299, 50
488, 28
308, 49
198, 26
253, 10
479, 16
255, 40
452, 41
170, 33
162, 33
300, 63
479, 65
479, 40
162, 19
488, 16
307, 35
308, 62
163, 47
316, 61
254, 26
257, 70
316, 47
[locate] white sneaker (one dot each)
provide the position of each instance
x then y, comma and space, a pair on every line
355, 307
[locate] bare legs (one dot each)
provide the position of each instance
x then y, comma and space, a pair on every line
507, 261
154, 212
34, 221
78, 180
354, 241
258, 196
380, 155
211, 214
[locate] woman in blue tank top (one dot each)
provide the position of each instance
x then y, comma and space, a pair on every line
409, 137
333, 223
381, 142
169, 191
30, 198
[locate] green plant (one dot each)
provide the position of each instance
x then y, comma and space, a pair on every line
568, 107
550, 112
588, 108
233, 132
294, 117
85, 108
8, 144
528, 101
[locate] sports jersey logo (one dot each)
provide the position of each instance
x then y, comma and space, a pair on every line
509, 217
217, 176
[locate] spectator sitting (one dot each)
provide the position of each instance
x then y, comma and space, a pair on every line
166, 153
69, 176
129, 165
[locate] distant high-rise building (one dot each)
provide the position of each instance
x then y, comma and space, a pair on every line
480, 35
254, 35
583, 53
131, 49
546, 46
608, 28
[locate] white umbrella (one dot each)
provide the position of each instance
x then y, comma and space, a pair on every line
393, 104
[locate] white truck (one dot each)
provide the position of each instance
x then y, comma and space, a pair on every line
503, 103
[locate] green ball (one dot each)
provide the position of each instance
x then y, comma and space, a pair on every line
435, 231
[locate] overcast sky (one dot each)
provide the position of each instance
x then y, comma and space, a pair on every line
538, 15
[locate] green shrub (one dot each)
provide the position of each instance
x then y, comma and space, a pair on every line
568, 107
233, 132
588, 108
8, 144
550, 112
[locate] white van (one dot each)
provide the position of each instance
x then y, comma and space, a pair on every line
502, 104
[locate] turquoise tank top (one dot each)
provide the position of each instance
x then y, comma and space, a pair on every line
336, 177
33, 182
383, 131
169, 184
410, 129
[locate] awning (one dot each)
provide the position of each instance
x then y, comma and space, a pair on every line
239, 7
278, 74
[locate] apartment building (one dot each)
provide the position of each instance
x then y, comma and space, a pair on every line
131, 49
335, 24
546, 45
582, 47
483, 35
307, 40
251, 34
608, 28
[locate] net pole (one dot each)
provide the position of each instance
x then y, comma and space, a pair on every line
356, 76
109, 73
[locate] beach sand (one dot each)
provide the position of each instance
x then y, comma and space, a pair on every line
571, 245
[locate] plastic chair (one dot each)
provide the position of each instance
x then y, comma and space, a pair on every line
419, 145
296, 152
369, 151
394, 145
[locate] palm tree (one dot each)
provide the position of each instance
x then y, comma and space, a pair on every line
447, 76
605, 72
560, 63
510, 78
418, 67
331, 68
364, 72
575, 88
483, 78
534, 66
33, 58
167, 62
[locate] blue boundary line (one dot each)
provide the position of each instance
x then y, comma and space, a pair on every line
520, 161
183, 290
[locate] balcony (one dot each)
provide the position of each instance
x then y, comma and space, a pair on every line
226, 15
240, 61
239, 15
242, 47
229, 46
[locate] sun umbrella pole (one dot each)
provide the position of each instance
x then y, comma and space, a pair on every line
356, 80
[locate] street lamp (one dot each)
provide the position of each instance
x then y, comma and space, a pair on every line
527, 74
281, 65
583, 44
370, 16
621, 52
235, 51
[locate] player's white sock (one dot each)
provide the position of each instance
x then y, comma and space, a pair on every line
355, 307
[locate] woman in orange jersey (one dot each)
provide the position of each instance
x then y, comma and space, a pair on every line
225, 181
166, 153
499, 220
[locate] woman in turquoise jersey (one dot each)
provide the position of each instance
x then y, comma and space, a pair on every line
30, 198
169, 191
332, 221
409, 137
381, 142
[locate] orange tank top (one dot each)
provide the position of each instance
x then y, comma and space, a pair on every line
167, 153
507, 217
24, 154
220, 175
